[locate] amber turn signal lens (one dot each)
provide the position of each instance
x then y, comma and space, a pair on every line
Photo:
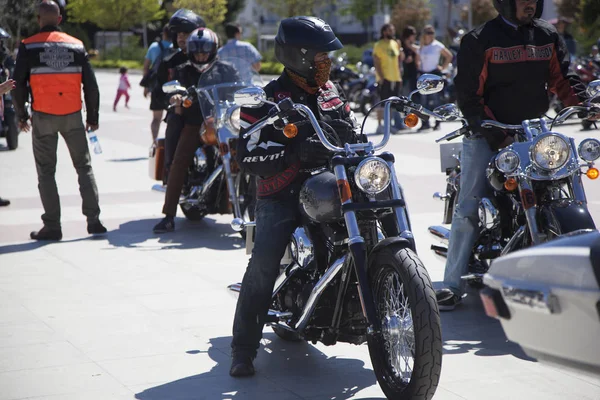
290, 131
592, 173
411, 120
187, 103
510, 184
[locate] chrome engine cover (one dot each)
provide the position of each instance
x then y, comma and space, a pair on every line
301, 249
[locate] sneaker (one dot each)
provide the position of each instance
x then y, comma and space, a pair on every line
241, 365
46, 234
447, 300
167, 224
4, 202
96, 228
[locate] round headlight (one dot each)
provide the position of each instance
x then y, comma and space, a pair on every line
550, 152
372, 175
507, 161
589, 149
234, 119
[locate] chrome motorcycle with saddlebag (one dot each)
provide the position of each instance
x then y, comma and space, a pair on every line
216, 184
538, 191
351, 272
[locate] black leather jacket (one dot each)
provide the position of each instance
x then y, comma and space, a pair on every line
266, 153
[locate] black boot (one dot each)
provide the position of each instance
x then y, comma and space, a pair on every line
96, 228
241, 365
4, 202
46, 234
167, 224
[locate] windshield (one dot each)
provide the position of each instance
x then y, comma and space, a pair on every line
218, 84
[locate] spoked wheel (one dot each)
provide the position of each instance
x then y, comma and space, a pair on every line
407, 353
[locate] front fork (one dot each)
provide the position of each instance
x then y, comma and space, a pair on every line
233, 198
356, 243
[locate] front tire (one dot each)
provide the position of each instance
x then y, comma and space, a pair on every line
410, 320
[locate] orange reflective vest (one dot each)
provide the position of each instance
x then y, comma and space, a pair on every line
55, 61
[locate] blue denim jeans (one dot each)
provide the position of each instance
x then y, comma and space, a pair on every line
276, 220
475, 157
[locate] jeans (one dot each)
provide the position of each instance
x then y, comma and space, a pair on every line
475, 157
45, 141
175, 124
276, 220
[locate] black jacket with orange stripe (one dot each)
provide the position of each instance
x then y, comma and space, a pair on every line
505, 72
55, 65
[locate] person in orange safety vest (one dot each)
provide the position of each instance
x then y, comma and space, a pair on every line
55, 65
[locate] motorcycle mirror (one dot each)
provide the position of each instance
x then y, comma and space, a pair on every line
252, 97
593, 89
172, 87
430, 84
449, 112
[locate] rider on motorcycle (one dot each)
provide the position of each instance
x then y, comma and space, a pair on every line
177, 66
202, 45
301, 45
503, 69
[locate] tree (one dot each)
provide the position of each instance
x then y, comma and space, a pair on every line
411, 12
212, 11
118, 15
568, 8
18, 16
288, 8
233, 9
482, 10
590, 13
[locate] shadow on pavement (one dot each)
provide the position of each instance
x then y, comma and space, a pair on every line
468, 329
34, 244
206, 233
284, 370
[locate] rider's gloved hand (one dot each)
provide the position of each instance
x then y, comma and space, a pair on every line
310, 152
340, 129
496, 138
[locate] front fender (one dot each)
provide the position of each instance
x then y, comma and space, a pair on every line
566, 216
391, 241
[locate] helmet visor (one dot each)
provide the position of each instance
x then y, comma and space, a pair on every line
200, 46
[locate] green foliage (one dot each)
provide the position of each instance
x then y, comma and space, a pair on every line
363, 10
271, 68
18, 17
354, 53
288, 8
131, 51
590, 13
233, 9
114, 14
117, 64
212, 11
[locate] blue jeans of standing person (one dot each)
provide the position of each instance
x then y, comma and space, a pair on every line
276, 220
475, 157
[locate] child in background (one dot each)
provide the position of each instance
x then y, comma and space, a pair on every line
123, 89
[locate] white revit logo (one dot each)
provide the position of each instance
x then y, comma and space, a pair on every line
264, 158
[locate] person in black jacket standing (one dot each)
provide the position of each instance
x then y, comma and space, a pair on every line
505, 68
281, 164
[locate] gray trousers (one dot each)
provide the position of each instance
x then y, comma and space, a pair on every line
45, 129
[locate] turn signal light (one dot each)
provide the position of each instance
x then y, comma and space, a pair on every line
411, 120
187, 103
510, 184
290, 131
592, 173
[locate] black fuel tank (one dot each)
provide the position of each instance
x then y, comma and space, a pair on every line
320, 199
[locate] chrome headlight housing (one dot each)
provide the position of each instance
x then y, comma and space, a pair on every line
507, 161
550, 152
232, 118
589, 150
372, 175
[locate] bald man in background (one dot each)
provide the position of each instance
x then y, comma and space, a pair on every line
56, 65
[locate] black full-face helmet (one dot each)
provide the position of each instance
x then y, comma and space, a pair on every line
508, 9
185, 21
202, 41
299, 39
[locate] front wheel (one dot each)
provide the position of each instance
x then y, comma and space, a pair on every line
407, 353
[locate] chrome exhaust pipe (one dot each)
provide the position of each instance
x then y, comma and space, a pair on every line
440, 250
440, 233
441, 196
470, 277
318, 290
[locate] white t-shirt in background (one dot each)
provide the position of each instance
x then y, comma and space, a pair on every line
430, 55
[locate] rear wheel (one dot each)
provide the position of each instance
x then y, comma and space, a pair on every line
407, 353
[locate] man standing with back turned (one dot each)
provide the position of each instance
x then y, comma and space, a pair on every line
55, 65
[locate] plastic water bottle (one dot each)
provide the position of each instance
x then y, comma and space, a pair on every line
94, 141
